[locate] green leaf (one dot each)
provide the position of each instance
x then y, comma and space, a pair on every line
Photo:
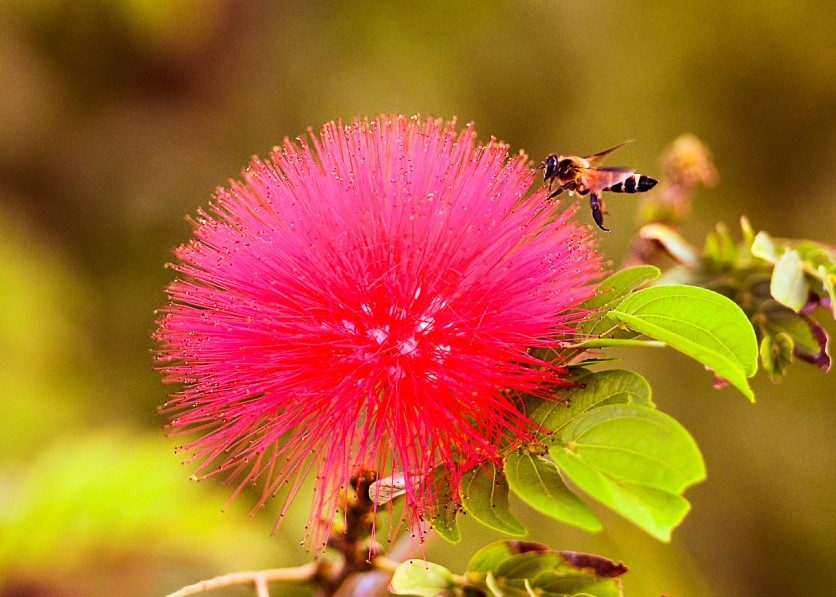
636, 444
776, 354
425, 579
620, 284
815, 255
519, 568
528, 565
491, 556
615, 386
446, 525
484, 492
538, 483
781, 320
445, 506
555, 584
711, 249
592, 564
728, 249
655, 511
789, 285
828, 277
519, 574
611, 291
635, 460
763, 247
719, 250
700, 323
748, 231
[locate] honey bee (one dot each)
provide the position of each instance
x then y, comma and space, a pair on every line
577, 175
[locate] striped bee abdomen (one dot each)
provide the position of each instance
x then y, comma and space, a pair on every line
636, 183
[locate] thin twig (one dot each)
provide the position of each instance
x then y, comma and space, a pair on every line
259, 579
261, 586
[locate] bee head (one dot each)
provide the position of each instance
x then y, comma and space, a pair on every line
559, 167
549, 166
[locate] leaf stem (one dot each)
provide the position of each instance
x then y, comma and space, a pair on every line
605, 342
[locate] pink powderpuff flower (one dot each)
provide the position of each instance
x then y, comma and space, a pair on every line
369, 302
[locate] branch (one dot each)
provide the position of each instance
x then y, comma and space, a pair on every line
259, 579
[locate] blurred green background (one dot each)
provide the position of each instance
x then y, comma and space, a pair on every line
119, 118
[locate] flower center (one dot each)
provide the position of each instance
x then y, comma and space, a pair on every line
396, 342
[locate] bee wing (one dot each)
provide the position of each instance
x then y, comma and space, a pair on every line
602, 154
599, 179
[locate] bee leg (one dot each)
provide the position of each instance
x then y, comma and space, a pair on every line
597, 214
560, 190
